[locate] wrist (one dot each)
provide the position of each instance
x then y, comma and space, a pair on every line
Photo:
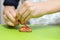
12, 7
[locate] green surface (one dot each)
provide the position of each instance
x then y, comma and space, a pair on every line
38, 33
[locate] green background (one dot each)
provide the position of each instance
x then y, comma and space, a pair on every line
39, 32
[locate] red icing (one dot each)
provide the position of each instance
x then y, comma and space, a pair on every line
25, 28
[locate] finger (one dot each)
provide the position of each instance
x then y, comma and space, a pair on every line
8, 21
13, 12
14, 22
22, 9
27, 19
27, 13
10, 17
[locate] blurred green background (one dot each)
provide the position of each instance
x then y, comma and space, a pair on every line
39, 32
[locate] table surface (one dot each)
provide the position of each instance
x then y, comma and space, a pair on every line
39, 32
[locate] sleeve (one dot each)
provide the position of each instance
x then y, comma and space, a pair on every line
11, 3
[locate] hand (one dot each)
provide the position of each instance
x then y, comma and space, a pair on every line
23, 13
10, 15
30, 10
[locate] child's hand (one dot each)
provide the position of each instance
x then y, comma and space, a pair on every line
10, 15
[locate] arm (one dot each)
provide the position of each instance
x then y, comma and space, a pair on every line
47, 7
33, 10
10, 12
